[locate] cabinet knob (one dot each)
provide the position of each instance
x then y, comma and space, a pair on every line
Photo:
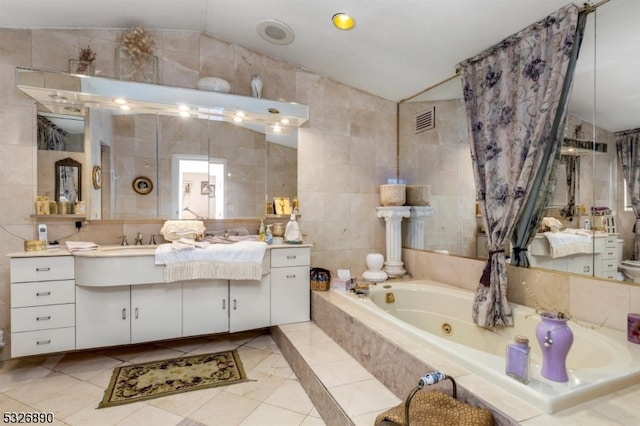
43, 342
235, 304
224, 304
43, 293
124, 313
43, 269
43, 318
291, 257
291, 276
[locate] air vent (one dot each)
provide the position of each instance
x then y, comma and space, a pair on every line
426, 120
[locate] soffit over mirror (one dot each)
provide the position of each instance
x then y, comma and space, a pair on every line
70, 94
604, 92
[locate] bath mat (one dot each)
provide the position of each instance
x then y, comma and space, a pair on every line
139, 382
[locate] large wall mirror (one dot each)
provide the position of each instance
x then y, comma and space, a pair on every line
605, 99
154, 162
197, 168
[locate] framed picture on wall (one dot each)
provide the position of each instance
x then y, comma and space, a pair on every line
282, 205
207, 188
142, 185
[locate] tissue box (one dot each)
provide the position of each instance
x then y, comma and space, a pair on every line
341, 283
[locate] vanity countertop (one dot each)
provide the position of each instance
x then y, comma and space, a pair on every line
119, 251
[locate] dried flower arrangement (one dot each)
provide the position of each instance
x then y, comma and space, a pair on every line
551, 311
138, 44
87, 55
85, 60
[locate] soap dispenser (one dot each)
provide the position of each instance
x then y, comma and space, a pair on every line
292, 231
268, 238
261, 233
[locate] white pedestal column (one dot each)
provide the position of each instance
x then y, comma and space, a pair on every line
414, 237
393, 265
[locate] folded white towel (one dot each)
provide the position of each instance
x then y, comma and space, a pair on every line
187, 244
80, 246
173, 230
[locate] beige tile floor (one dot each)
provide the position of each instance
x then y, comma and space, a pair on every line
71, 386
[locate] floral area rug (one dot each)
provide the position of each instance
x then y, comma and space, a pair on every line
139, 382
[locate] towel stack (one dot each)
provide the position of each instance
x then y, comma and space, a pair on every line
74, 246
173, 230
187, 244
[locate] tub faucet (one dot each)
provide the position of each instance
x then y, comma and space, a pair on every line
138, 240
124, 240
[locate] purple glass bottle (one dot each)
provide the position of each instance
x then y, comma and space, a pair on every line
517, 365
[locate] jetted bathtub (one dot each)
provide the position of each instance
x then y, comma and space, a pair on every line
600, 361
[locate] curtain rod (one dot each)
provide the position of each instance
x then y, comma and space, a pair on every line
440, 83
588, 8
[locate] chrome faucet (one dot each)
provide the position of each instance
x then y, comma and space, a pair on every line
124, 240
138, 240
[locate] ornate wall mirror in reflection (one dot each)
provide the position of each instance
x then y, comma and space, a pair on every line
441, 158
68, 180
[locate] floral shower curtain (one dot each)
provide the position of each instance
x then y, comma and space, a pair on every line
512, 92
572, 164
628, 149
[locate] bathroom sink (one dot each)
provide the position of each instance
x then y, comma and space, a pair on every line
115, 250
127, 248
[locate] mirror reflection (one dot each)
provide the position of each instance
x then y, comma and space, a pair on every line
590, 191
198, 168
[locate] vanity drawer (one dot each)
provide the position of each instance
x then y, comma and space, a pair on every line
40, 293
290, 257
46, 268
611, 240
610, 253
609, 265
43, 317
43, 341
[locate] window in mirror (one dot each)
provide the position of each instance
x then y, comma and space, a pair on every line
199, 185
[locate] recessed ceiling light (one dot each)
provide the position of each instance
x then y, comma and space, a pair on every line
343, 21
275, 32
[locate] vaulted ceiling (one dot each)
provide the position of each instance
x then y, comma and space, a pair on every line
396, 49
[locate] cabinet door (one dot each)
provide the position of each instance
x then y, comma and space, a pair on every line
102, 316
156, 312
205, 307
290, 295
250, 304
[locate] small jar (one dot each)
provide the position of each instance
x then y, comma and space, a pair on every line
517, 362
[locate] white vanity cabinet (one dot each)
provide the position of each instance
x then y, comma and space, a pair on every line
117, 297
119, 315
42, 305
610, 256
205, 307
249, 304
290, 291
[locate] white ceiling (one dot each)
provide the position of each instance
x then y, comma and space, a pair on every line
397, 48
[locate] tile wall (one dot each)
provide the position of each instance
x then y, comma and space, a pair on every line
346, 149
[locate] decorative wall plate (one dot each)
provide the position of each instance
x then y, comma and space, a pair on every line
142, 185
97, 177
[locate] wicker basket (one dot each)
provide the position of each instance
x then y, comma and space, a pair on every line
320, 285
320, 279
